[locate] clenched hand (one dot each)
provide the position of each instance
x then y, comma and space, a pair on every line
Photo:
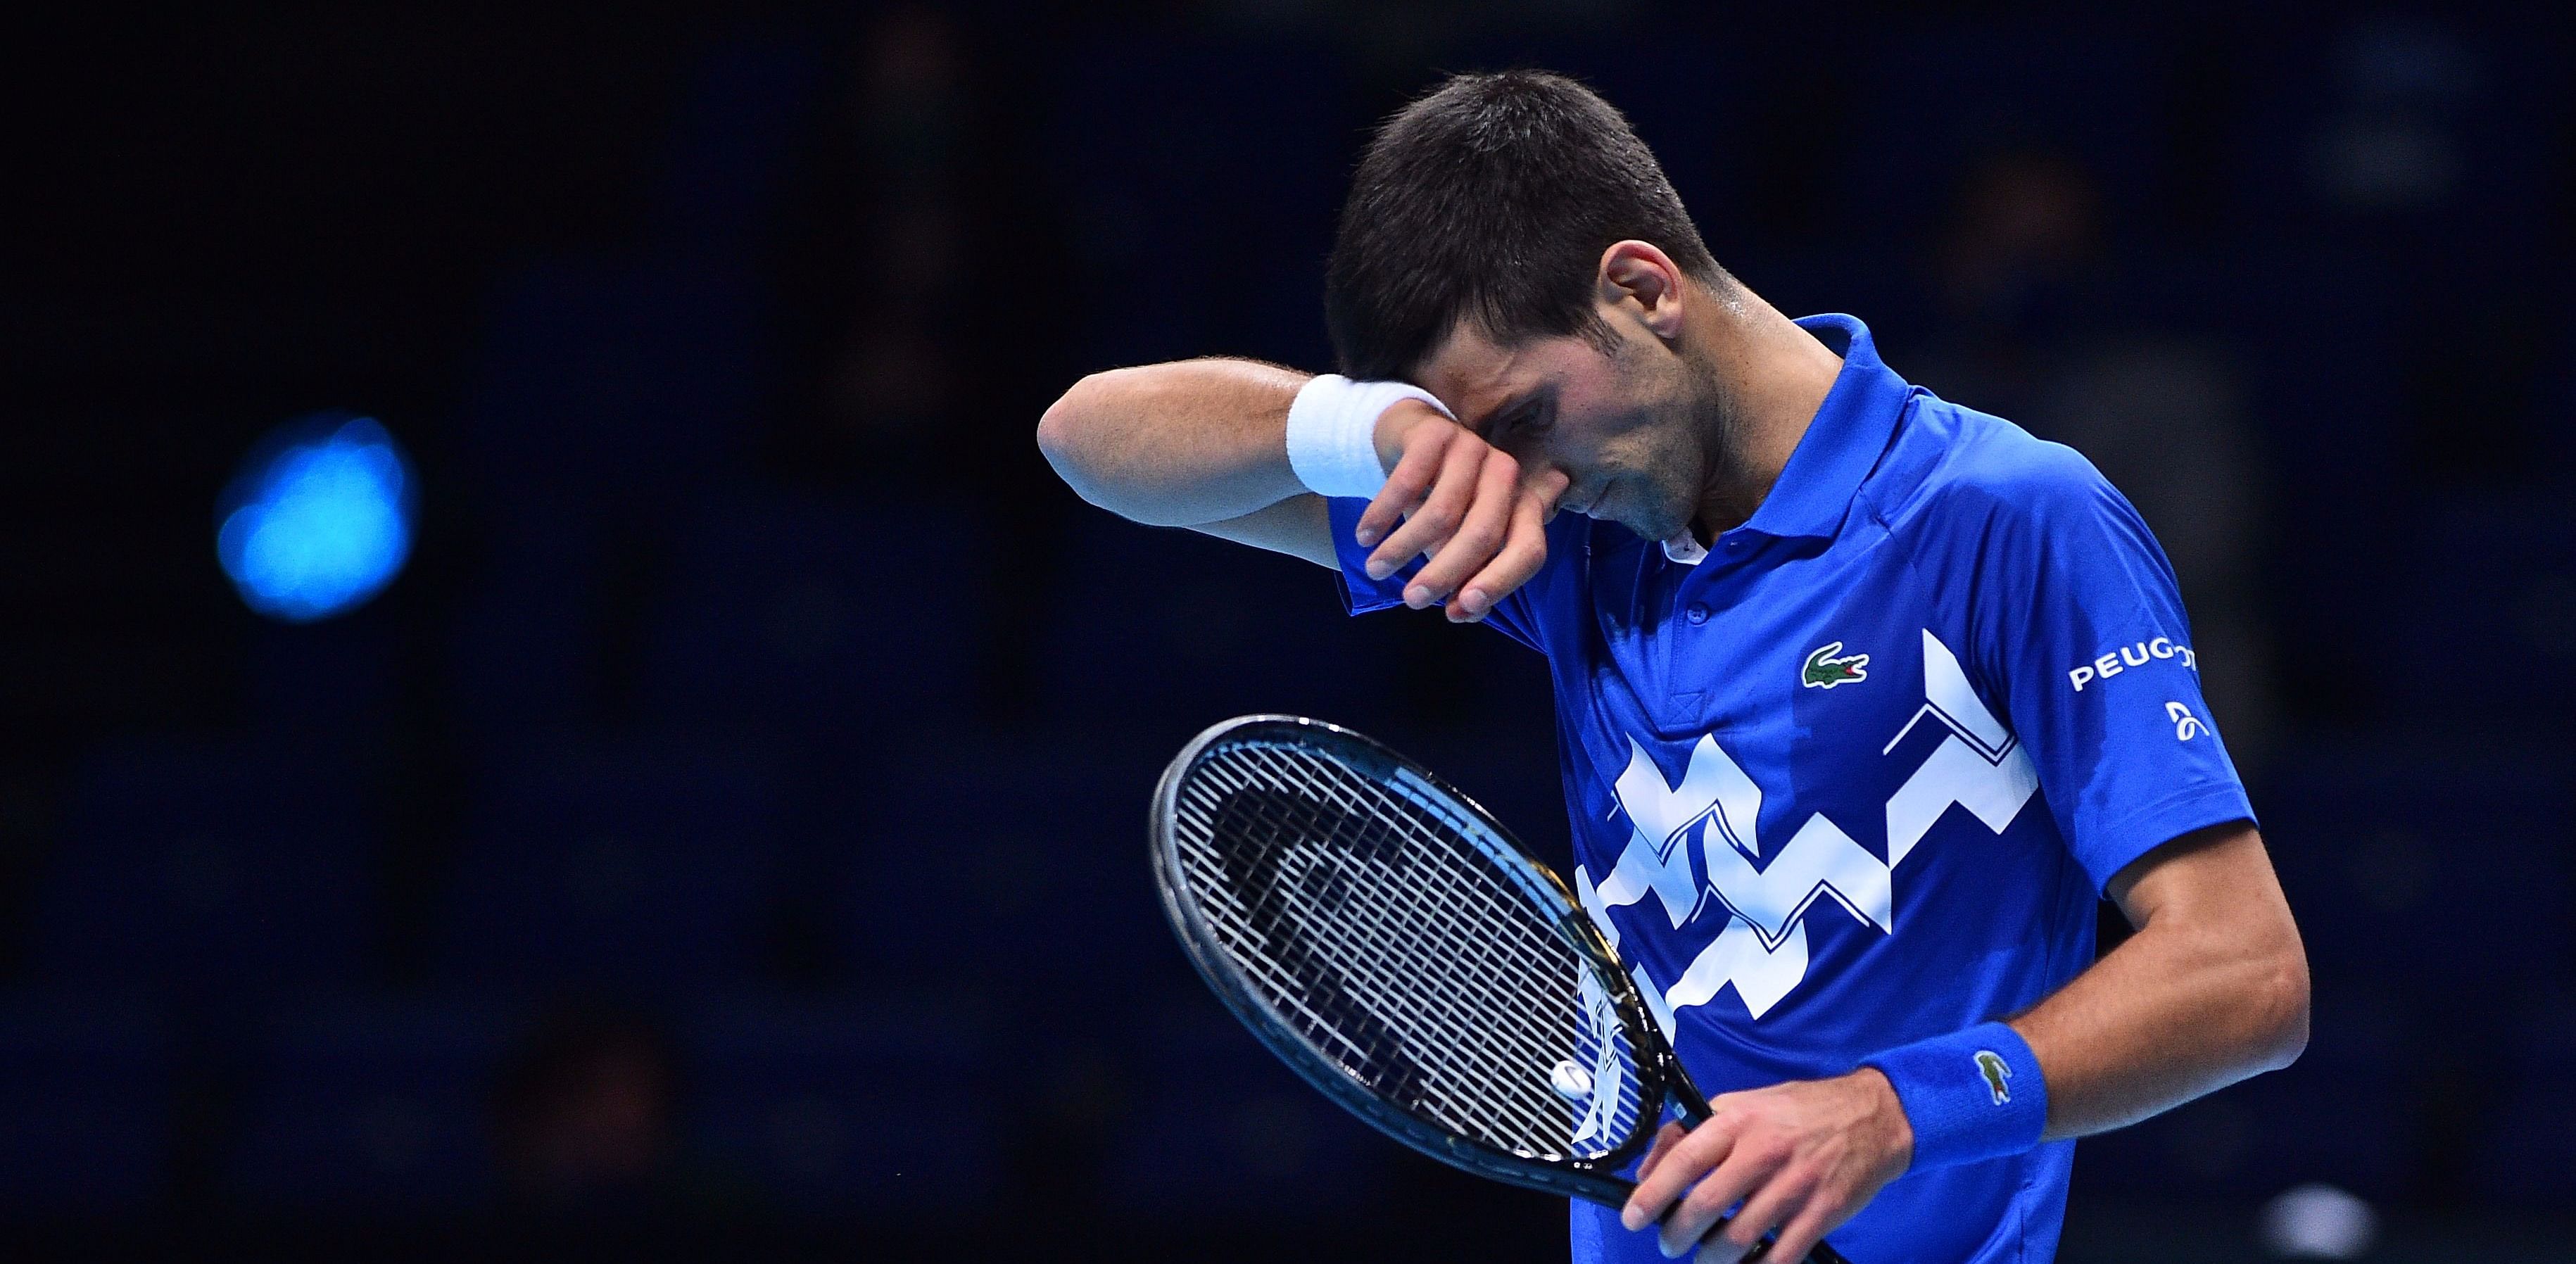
1467, 506
1801, 1157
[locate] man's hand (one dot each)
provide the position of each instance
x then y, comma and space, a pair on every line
1802, 1157
1463, 503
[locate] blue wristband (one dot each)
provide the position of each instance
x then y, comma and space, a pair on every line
1970, 1095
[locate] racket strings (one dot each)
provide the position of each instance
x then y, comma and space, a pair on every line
1348, 1002
1373, 918
1392, 942
1398, 912
1475, 954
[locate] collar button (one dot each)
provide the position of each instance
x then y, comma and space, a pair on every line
1696, 612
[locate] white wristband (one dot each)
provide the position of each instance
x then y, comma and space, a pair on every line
1332, 432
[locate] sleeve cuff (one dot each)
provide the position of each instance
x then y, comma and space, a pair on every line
2159, 823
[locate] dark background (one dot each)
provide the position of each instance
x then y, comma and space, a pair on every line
726, 835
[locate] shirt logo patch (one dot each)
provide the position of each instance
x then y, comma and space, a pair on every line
1824, 671
1998, 1074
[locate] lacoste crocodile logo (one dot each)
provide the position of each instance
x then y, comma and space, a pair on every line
1824, 671
1997, 1073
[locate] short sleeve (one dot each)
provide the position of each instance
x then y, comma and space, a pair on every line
2080, 623
1513, 615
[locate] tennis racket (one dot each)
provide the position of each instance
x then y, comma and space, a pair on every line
1391, 943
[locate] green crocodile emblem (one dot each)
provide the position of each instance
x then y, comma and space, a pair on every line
1824, 671
1996, 1073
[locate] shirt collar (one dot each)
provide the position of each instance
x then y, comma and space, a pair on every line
1842, 444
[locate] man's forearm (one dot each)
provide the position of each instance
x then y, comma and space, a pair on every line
2213, 988
1204, 444
1178, 445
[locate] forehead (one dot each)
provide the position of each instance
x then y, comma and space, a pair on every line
1475, 375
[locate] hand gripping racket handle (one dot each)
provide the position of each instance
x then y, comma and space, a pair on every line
1694, 1111
1820, 1253
1693, 1108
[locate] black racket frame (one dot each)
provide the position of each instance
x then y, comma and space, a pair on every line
1661, 1080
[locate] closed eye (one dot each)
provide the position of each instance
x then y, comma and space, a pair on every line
1528, 417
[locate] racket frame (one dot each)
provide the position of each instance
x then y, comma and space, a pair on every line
1661, 1081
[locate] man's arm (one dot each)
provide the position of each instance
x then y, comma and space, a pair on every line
1182, 444
1203, 444
2213, 988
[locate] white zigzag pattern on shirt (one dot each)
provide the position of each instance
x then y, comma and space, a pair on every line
1762, 949
1982, 767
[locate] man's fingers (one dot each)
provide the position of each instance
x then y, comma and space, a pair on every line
1805, 1229
1717, 1251
1682, 1166
1742, 1173
1792, 1162
1666, 1138
1778, 1198
1479, 535
1524, 551
1406, 485
1452, 491
1547, 487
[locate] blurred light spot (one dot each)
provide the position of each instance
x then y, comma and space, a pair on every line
2319, 1222
319, 519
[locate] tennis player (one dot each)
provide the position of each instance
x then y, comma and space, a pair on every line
1863, 696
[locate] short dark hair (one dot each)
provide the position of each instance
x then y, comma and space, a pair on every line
1491, 199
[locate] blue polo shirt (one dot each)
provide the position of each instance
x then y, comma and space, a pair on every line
1855, 775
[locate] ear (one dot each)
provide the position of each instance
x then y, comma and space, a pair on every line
1641, 282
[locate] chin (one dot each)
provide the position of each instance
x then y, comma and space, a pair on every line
1661, 527
1647, 531
1629, 516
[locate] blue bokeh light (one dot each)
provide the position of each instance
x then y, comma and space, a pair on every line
319, 519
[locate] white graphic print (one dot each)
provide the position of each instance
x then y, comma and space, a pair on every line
1596, 1090
1982, 767
1600, 913
1761, 950
2186, 725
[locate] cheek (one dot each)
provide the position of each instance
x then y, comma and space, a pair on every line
1602, 431
1638, 446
